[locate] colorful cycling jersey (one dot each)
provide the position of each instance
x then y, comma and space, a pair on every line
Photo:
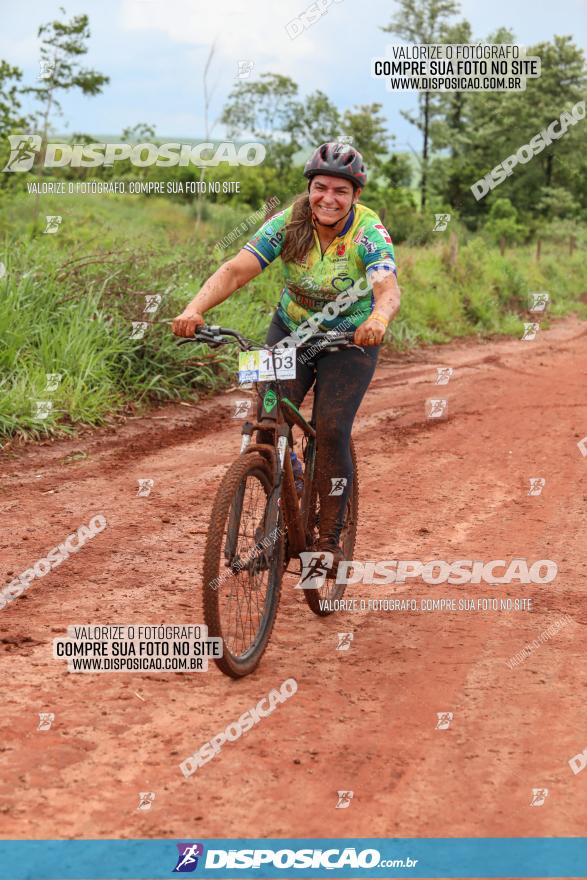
363, 246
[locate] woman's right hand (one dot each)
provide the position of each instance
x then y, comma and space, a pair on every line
187, 323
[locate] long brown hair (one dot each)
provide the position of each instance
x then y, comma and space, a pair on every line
299, 232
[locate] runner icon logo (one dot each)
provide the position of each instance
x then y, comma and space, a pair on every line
146, 798
436, 407
530, 331
537, 484
46, 719
23, 149
53, 381
344, 799
242, 408
539, 795
538, 302
138, 329
441, 222
313, 573
152, 302
338, 485
53, 224
344, 641
187, 861
145, 487
444, 720
443, 375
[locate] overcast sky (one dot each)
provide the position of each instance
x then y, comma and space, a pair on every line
154, 53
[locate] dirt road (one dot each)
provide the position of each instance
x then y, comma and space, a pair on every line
363, 720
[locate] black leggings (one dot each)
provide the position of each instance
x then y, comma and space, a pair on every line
342, 378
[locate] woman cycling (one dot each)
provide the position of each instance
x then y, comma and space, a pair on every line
327, 242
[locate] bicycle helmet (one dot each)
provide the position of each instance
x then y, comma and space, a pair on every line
337, 160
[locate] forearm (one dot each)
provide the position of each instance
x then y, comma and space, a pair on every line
387, 295
215, 290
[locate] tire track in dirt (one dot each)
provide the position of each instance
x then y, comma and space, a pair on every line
362, 720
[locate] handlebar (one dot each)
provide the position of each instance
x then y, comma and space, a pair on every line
214, 336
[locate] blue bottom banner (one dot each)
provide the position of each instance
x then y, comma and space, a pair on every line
478, 857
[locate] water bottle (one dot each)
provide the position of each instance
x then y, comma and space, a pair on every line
298, 472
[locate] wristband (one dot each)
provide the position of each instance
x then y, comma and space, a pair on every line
375, 316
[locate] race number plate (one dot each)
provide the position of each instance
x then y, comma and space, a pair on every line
256, 366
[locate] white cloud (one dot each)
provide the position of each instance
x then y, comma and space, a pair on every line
254, 30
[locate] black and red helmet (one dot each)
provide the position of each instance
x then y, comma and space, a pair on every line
337, 160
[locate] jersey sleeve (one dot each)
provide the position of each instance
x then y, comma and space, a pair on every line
267, 242
375, 248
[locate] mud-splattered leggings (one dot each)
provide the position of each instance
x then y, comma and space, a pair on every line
342, 378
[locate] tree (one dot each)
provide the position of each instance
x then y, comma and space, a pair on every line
368, 129
62, 44
422, 21
10, 111
318, 120
266, 108
502, 222
139, 133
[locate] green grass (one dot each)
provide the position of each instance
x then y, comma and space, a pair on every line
67, 303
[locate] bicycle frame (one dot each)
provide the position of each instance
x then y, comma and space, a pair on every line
278, 414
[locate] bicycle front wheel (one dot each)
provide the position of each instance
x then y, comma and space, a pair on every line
243, 565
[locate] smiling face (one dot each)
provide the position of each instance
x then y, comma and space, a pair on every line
331, 198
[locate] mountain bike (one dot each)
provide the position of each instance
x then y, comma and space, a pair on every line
259, 525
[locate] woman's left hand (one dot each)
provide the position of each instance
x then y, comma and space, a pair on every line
369, 333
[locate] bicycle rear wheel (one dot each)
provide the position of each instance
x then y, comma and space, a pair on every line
331, 590
243, 565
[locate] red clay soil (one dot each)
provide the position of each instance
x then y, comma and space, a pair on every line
362, 720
